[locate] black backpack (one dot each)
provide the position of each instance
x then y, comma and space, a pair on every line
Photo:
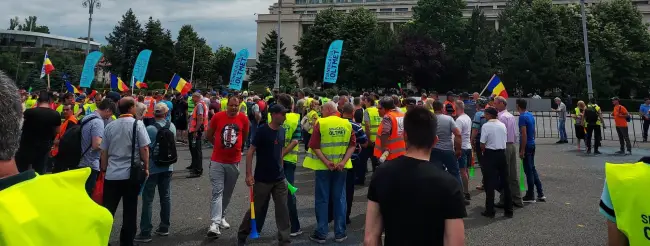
165, 145
591, 115
249, 110
70, 145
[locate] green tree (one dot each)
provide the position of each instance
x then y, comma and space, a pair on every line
159, 41
264, 72
222, 61
376, 60
482, 51
29, 25
125, 42
187, 43
314, 43
419, 57
288, 81
354, 30
14, 23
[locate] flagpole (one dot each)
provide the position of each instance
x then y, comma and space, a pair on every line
132, 85
486, 85
192, 72
48, 82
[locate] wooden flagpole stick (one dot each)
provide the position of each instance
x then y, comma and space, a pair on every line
488, 83
132, 86
48, 82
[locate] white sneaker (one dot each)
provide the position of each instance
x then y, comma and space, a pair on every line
214, 232
224, 224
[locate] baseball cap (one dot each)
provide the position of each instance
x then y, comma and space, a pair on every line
245, 93
277, 108
492, 111
160, 109
113, 96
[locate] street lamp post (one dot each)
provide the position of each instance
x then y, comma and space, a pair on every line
91, 5
277, 49
590, 89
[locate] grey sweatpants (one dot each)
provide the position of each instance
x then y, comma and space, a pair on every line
223, 178
513, 174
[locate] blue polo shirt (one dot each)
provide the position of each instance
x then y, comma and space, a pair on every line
528, 120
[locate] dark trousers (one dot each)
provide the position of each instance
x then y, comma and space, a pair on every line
479, 157
116, 190
91, 181
646, 125
33, 157
290, 175
624, 138
349, 186
261, 193
148, 121
495, 169
594, 131
305, 138
361, 168
195, 150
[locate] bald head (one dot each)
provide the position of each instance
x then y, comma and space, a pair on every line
329, 109
126, 105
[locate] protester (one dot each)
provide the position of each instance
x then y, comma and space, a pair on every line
644, 110
464, 125
358, 110
69, 121
477, 124
447, 150
140, 111
494, 165
449, 106
389, 142
362, 142
404, 187
149, 102
561, 120
330, 149
92, 133
39, 204
579, 122
198, 124
310, 121
500, 103
167, 101
621, 117
179, 118
227, 131
159, 176
269, 179
254, 116
594, 119
120, 148
371, 122
527, 152
40, 126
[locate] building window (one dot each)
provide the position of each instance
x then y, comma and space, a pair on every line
341, 1
298, 12
301, 1
356, 1
372, 10
385, 10
370, 1
401, 9
312, 11
341, 10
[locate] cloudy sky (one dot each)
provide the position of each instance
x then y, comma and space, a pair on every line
220, 22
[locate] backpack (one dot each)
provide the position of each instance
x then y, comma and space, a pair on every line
166, 146
591, 114
70, 145
249, 110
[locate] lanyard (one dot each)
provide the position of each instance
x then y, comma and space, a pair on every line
126, 115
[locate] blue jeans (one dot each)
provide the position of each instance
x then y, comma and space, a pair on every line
532, 179
330, 183
446, 159
163, 181
562, 129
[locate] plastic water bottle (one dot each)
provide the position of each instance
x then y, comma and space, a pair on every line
383, 156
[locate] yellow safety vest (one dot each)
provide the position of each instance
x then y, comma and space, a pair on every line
290, 125
190, 106
243, 105
53, 209
308, 101
90, 108
29, 103
75, 109
335, 135
312, 114
577, 114
375, 120
631, 204
597, 111
224, 104
403, 109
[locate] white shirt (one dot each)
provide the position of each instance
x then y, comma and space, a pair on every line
464, 124
494, 134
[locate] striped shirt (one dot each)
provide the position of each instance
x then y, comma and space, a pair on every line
297, 135
361, 138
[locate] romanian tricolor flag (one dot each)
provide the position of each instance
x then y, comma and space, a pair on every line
496, 86
117, 83
72, 88
47, 66
140, 85
179, 84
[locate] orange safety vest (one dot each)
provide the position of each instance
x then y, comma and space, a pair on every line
444, 108
64, 127
151, 103
194, 117
396, 145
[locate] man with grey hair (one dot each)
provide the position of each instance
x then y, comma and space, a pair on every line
561, 120
500, 103
198, 123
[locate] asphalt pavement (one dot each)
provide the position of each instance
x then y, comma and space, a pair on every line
572, 183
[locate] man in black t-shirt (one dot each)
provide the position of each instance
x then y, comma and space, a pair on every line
269, 179
40, 126
412, 200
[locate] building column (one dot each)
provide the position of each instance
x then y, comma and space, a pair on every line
392, 26
496, 24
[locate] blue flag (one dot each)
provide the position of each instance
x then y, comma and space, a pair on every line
238, 70
88, 72
332, 62
140, 67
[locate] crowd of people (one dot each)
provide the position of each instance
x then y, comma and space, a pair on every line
126, 147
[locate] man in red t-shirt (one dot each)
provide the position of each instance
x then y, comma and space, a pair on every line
227, 131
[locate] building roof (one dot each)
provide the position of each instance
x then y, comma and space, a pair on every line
45, 35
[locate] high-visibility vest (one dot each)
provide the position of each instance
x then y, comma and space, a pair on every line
194, 117
396, 145
324, 100
375, 120
335, 135
75, 109
190, 105
30, 103
64, 126
53, 209
312, 114
242, 105
290, 126
453, 106
150, 103
597, 111
224, 104
578, 114
308, 101
631, 204
403, 109
89, 108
